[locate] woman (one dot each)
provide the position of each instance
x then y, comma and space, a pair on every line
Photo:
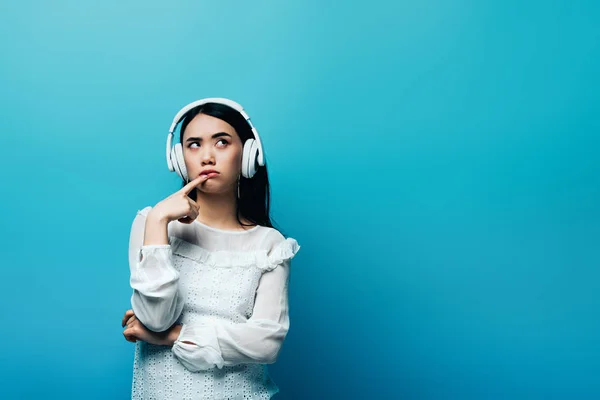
209, 271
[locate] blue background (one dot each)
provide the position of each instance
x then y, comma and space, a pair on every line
437, 161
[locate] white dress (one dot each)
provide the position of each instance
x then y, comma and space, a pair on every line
229, 290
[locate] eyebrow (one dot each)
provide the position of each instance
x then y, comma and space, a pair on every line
216, 135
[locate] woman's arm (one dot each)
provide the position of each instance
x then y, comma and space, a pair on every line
156, 230
156, 299
202, 346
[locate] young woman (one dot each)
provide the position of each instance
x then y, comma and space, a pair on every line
209, 271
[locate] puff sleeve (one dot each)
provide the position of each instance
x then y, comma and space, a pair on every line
258, 339
156, 299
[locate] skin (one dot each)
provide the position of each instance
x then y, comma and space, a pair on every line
208, 143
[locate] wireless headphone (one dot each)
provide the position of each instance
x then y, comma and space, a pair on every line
252, 156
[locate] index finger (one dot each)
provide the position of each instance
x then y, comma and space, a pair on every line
188, 188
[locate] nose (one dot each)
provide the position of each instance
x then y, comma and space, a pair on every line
207, 157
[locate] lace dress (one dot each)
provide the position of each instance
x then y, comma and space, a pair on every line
229, 290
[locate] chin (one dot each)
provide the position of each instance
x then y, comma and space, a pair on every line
214, 188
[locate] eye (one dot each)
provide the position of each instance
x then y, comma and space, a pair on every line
192, 143
224, 141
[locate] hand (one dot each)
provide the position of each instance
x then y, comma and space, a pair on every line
135, 331
179, 206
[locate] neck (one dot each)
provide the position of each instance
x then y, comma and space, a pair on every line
218, 210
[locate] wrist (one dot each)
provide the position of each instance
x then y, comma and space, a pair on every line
173, 335
157, 217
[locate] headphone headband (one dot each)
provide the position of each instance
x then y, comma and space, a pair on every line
219, 100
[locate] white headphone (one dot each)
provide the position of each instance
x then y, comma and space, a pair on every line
252, 156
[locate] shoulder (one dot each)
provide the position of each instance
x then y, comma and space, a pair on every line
278, 247
139, 218
268, 236
144, 211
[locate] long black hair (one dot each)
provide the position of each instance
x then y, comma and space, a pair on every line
255, 198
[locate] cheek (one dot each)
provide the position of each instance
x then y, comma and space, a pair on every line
233, 159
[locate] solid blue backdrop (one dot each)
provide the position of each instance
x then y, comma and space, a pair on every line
437, 161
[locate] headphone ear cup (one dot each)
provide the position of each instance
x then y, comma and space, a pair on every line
245, 156
174, 162
253, 161
179, 162
249, 158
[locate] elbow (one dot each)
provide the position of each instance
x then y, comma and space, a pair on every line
273, 347
156, 317
270, 357
156, 325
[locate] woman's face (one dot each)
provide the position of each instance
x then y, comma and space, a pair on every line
210, 143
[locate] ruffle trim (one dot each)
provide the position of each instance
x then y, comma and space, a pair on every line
266, 261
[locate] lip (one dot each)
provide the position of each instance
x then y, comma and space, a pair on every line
211, 173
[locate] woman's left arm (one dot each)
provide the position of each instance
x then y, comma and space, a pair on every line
258, 340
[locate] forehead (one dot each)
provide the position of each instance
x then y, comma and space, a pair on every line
205, 125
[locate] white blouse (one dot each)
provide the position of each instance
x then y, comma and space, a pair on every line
229, 290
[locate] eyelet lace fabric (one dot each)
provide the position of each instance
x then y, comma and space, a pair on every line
230, 293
